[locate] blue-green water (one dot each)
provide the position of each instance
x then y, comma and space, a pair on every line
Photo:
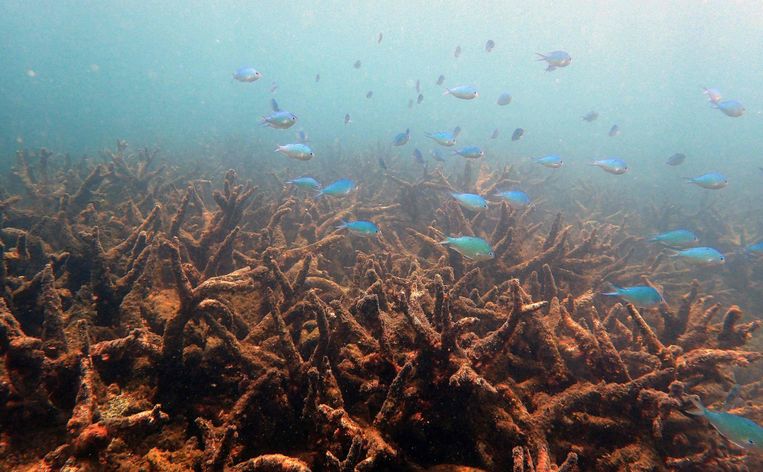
75, 76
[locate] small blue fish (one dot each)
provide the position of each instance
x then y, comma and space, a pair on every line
590, 116
754, 249
369, 94
741, 431
445, 138
489, 45
613, 166
382, 164
701, 256
555, 59
464, 92
504, 99
495, 134
418, 156
280, 119
418, 86
305, 183
515, 197
676, 159
457, 52
401, 139
317, 77
517, 134
470, 200
614, 131
470, 152
302, 137
338, 188
298, 151
440, 79
247, 74
347, 119
679, 238
731, 108
360, 228
357, 64
553, 162
476, 249
437, 155
712, 181
419, 99
640, 295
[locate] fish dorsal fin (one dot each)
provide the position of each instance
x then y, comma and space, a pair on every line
274, 104
730, 397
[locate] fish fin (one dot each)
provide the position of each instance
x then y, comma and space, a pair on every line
445, 241
542, 57
699, 408
611, 294
446, 92
274, 104
550, 68
278, 149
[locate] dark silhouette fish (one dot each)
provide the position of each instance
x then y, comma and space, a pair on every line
676, 159
489, 45
495, 134
590, 116
457, 52
419, 99
418, 86
440, 79
379, 39
382, 164
357, 64
410, 103
517, 134
614, 131
370, 94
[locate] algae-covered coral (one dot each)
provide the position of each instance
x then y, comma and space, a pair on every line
179, 317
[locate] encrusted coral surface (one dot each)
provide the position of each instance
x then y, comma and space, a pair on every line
151, 319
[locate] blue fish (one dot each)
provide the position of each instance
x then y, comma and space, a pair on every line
613, 166
360, 227
640, 295
701, 256
445, 138
440, 79
338, 188
754, 249
555, 59
302, 137
590, 116
676, 159
552, 161
679, 238
712, 180
515, 197
437, 155
418, 156
247, 74
401, 139
280, 119
614, 131
489, 45
298, 151
470, 200
464, 92
504, 99
517, 134
741, 431
476, 249
495, 134
305, 183
731, 108
470, 152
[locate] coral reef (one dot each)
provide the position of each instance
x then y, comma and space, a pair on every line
151, 319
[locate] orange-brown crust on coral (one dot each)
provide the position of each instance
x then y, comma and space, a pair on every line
219, 325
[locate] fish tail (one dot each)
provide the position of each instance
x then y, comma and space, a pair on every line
699, 408
445, 241
343, 225
446, 92
611, 294
542, 57
278, 149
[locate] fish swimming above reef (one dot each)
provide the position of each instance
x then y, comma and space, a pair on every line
613, 166
515, 197
457, 52
711, 180
247, 74
552, 161
444, 138
640, 295
360, 228
470, 201
678, 238
470, 152
489, 45
280, 119
731, 108
517, 134
338, 188
401, 139
590, 116
440, 79
298, 151
614, 131
471, 247
701, 256
504, 99
676, 159
741, 431
305, 183
464, 92
494, 134
555, 59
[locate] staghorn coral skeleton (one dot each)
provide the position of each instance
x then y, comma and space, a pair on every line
234, 329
